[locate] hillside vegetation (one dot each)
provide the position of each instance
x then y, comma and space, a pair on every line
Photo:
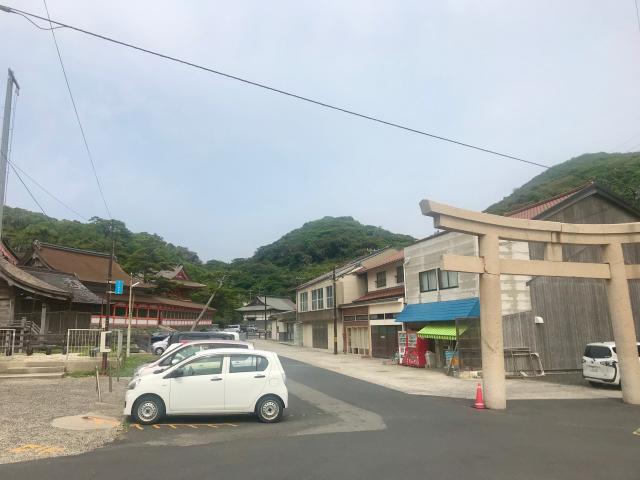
618, 172
274, 269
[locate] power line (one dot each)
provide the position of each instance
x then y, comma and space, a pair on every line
637, 14
75, 109
28, 190
14, 166
277, 90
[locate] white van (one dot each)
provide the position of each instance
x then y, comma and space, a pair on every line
600, 363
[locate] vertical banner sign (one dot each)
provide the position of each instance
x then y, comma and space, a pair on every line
119, 287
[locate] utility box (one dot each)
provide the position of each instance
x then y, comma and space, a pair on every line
104, 348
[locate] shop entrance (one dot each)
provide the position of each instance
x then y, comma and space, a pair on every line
358, 340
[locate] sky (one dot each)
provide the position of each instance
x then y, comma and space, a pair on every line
222, 167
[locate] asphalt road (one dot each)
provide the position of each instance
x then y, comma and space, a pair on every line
338, 427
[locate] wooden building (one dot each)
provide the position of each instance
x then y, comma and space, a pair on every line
90, 268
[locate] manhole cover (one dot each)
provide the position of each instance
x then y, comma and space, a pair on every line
88, 421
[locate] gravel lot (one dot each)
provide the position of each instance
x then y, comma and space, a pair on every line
27, 408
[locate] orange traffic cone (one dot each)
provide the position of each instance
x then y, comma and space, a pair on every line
479, 400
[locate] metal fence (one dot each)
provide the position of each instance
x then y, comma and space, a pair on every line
86, 342
7, 341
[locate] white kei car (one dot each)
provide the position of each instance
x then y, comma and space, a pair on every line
212, 382
180, 351
600, 363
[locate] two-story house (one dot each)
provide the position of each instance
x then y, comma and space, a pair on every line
321, 300
369, 321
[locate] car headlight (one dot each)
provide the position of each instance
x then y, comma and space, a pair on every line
133, 383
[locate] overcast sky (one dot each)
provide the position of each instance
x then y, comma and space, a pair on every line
222, 167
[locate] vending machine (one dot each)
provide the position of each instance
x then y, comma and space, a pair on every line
411, 349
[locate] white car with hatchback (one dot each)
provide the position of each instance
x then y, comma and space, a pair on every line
212, 382
600, 363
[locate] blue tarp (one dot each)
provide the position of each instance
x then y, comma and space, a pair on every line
440, 311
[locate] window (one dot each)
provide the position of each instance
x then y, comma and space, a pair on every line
317, 300
349, 318
429, 281
362, 317
247, 363
180, 355
389, 316
120, 311
400, 274
203, 366
153, 313
381, 279
143, 312
596, 351
304, 301
376, 316
330, 296
448, 279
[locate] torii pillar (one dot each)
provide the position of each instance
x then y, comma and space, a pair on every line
490, 229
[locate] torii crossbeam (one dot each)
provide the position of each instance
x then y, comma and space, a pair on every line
490, 229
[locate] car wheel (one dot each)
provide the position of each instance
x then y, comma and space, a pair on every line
148, 409
270, 409
159, 351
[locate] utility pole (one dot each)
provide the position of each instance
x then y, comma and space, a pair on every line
220, 283
109, 273
265, 316
4, 146
335, 315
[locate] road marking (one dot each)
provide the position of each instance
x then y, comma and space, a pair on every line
156, 426
212, 426
135, 425
35, 448
172, 426
637, 432
192, 426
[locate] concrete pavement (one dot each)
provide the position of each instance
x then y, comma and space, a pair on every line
423, 381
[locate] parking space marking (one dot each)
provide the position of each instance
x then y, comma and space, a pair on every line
37, 449
637, 432
176, 426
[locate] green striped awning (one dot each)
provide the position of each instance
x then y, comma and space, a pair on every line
441, 331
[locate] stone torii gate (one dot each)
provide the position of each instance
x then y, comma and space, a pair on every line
490, 229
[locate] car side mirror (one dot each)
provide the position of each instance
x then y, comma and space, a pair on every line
160, 370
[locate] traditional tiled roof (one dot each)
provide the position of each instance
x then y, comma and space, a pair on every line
273, 303
88, 266
531, 211
393, 292
14, 275
157, 300
67, 282
179, 276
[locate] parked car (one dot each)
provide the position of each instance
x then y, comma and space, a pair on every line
185, 350
159, 336
181, 337
212, 382
600, 363
233, 328
160, 347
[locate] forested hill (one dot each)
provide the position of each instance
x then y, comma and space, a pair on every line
275, 268
618, 172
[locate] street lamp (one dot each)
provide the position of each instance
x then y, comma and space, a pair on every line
129, 320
